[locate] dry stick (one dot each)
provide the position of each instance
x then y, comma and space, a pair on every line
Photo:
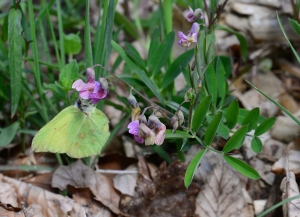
23, 208
141, 95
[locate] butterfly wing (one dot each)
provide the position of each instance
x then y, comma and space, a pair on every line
52, 137
87, 134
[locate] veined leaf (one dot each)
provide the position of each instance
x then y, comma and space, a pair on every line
242, 167
295, 25
200, 113
212, 129
69, 74
251, 119
221, 81
153, 48
190, 172
15, 57
236, 140
232, 114
264, 126
222, 130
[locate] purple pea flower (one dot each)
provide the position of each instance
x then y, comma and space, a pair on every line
193, 16
192, 37
92, 90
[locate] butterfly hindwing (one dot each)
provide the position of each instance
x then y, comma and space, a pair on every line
73, 132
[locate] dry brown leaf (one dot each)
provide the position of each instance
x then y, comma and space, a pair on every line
289, 187
222, 195
34, 210
125, 182
52, 204
79, 175
293, 153
84, 197
163, 196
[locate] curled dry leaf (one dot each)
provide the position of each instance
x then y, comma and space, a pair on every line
34, 210
84, 197
79, 175
289, 188
165, 195
293, 153
222, 195
125, 182
51, 204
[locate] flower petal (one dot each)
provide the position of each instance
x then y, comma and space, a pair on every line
78, 84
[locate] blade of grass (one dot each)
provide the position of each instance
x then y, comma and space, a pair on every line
276, 103
286, 37
15, 57
61, 33
87, 37
168, 21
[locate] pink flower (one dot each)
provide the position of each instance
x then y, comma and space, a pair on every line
92, 90
192, 37
193, 16
134, 129
151, 132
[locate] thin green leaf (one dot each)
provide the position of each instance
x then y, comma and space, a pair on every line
211, 84
15, 57
295, 25
236, 140
134, 55
176, 67
140, 73
242, 167
240, 37
222, 130
256, 144
153, 48
244, 112
264, 126
231, 114
212, 129
276, 103
286, 37
190, 171
221, 81
8, 133
251, 119
87, 37
200, 113
177, 135
128, 26
163, 53
278, 205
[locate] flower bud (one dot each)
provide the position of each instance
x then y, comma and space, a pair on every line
135, 112
154, 121
90, 74
193, 16
104, 83
180, 117
174, 122
142, 118
132, 100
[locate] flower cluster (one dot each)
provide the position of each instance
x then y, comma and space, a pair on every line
151, 132
92, 90
192, 36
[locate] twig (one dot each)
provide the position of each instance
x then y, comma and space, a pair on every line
23, 208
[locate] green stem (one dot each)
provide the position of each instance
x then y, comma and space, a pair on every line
58, 157
87, 37
168, 22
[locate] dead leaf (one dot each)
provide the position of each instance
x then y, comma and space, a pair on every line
293, 153
8, 194
125, 182
34, 210
163, 196
52, 204
84, 197
289, 188
222, 195
79, 175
